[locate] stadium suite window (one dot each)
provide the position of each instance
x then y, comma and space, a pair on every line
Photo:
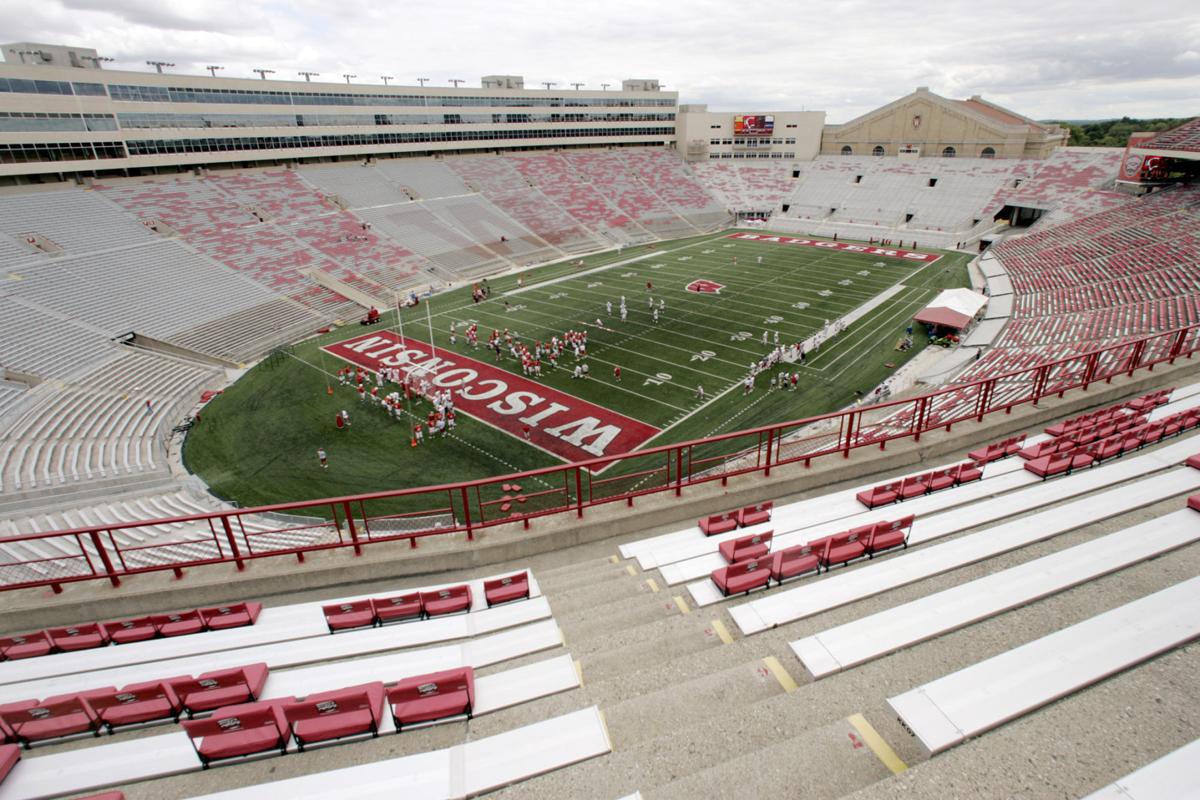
174, 146
59, 151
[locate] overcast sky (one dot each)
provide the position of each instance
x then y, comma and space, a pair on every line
1042, 58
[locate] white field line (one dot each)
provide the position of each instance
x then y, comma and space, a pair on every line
603, 267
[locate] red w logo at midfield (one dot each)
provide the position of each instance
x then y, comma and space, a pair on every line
705, 287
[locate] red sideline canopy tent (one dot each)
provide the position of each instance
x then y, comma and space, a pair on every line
952, 308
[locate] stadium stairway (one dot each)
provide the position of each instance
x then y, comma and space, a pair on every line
694, 709
691, 716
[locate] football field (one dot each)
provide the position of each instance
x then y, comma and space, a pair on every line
717, 298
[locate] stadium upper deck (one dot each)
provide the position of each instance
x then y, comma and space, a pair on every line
60, 119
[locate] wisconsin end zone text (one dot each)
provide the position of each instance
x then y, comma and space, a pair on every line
567, 426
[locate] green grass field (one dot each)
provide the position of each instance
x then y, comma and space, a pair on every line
258, 440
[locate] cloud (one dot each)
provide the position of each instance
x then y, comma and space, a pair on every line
846, 58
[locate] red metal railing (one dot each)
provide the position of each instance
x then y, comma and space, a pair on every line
236, 536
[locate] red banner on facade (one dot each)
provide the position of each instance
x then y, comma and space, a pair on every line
846, 247
567, 426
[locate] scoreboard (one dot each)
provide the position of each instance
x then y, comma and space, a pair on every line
753, 125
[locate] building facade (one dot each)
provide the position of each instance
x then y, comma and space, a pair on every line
62, 116
925, 124
714, 135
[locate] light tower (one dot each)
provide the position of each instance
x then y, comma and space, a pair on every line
386, 78
263, 73
422, 81
456, 81
212, 69
97, 60
308, 76
576, 86
159, 65
348, 76
548, 84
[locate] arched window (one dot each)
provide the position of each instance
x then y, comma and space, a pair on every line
847, 150
949, 152
988, 152
878, 151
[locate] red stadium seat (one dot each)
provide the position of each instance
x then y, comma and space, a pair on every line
719, 523
447, 601
219, 688
507, 589
755, 514
755, 546
6, 732
181, 623
438, 695
236, 615
1194, 502
130, 630
397, 609
136, 703
795, 561
941, 479
54, 717
327, 716
913, 487
114, 795
29, 645
240, 730
10, 754
887, 535
347, 616
1193, 461
744, 576
1049, 466
842, 548
78, 637
880, 495
967, 472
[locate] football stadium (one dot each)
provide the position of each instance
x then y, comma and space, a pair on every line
576, 443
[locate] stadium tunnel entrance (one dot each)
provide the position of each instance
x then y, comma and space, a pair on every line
1019, 216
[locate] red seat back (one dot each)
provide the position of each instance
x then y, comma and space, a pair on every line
499, 583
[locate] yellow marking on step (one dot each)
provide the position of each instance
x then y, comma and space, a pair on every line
630, 569
653, 586
722, 632
579, 672
613, 559
879, 747
683, 606
781, 674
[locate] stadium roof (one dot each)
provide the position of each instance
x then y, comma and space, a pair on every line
998, 114
1180, 142
952, 308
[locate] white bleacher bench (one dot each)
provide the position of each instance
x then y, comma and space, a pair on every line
964, 516
915, 565
1175, 775
274, 625
172, 753
974, 700
867, 638
489, 649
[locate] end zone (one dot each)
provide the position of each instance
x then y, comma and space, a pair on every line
566, 426
847, 247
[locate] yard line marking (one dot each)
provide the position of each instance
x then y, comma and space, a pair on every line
602, 267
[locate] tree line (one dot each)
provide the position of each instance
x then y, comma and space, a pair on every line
1114, 132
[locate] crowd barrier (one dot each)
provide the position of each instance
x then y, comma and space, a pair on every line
111, 552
